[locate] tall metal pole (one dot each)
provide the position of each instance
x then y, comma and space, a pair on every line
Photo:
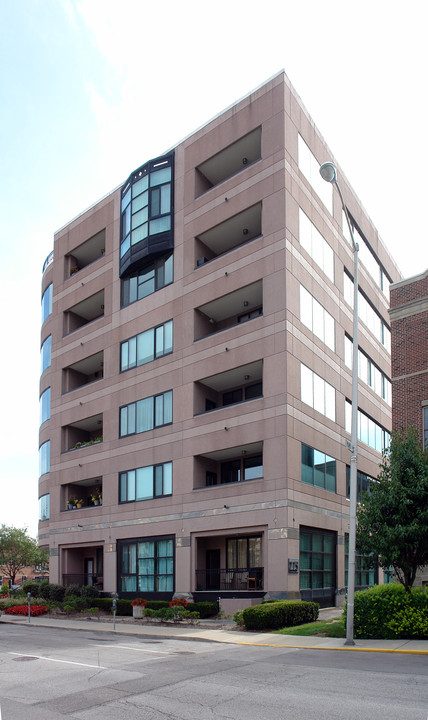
328, 173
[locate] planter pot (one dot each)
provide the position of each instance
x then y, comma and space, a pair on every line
96, 502
79, 505
137, 612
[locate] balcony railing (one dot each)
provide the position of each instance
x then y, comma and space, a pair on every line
237, 579
83, 579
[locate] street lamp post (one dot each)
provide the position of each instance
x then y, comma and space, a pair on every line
329, 174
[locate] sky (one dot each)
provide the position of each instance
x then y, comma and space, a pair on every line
92, 89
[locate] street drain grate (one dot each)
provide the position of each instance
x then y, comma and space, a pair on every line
24, 658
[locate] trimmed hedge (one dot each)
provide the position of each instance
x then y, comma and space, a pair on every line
280, 614
387, 611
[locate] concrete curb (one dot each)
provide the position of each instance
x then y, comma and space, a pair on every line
222, 635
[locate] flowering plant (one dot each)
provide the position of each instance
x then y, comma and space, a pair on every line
178, 602
139, 602
23, 610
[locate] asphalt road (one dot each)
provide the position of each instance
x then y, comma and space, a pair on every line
54, 673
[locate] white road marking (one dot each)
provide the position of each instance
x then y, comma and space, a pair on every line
126, 647
67, 662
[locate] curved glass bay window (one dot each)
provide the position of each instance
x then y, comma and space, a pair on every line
147, 227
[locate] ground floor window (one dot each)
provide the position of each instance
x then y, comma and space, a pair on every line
244, 552
317, 559
146, 565
365, 576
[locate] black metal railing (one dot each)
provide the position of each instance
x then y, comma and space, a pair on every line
83, 579
236, 579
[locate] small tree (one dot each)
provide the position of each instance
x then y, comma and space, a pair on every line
17, 551
393, 517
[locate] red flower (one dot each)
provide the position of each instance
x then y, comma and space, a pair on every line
139, 602
178, 602
23, 610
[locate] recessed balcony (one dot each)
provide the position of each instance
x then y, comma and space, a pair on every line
83, 433
229, 161
84, 312
83, 372
85, 254
229, 465
231, 387
226, 236
233, 309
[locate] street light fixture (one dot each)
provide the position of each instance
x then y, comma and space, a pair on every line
329, 174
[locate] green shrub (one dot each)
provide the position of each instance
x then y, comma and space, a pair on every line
56, 592
205, 609
44, 589
124, 607
387, 611
280, 614
239, 617
89, 591
102, 603
31, 587
157, 604
73, 589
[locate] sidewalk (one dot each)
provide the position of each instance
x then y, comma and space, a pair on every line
221, 632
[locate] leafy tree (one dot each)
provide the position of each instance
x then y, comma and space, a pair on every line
393, 517
17, 551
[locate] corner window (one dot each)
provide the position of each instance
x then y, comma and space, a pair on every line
313, 242
145, 483
45, 405
47, 303
44, 458
310, 168
45, 354
316, 318
44, 507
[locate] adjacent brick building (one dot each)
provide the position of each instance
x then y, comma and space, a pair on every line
409, 353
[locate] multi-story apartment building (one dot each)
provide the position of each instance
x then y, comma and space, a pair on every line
196, 351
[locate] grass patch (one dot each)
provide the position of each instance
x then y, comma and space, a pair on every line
324, 628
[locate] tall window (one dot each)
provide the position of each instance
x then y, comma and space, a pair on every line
146, 346
45, 405
47, 303
44, 458
316, 318
145, 483
318, 469
364, 483
315, 245
365, 255
368, 372
310, 168
146, 414
367, 313
369, 432
152, 277
45, 354
317, 393
244, 553
146, 565
44, 507
317, 559
365, 576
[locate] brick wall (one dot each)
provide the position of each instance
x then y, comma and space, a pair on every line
409, 356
